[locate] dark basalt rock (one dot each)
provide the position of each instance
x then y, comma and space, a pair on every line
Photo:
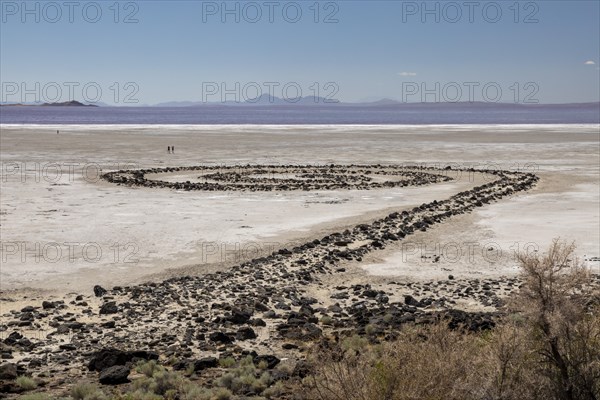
109, 308
257, 322
13, 338
181, 365
115, 375
109, 357
205, 363
46, 305
271, 360
220, 337
99, 291
8, 371
302, 369
245, 333
411, 301
108, 324
474, 322
239, 316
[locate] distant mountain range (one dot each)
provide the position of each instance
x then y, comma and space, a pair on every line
72, 103
266, 100
310, 101
262, 100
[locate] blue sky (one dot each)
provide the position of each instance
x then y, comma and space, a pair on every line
376, 49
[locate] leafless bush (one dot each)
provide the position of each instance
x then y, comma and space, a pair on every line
547, 347
565, 332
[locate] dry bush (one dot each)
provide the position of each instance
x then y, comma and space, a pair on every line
565, 331
506, 366
548, 348
429, 362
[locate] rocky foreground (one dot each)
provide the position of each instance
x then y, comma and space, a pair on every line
265, 308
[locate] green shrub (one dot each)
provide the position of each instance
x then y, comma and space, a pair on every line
355, 343
226, 380
246, 361
370, 330
36, 396
26, 383
227, 362
245, 378
190, 369
195, 392
222, 394
274, 391
148, 368
165, 381
87, 391
140, 395
262, 365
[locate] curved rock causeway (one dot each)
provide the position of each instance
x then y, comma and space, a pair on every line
262, 307
282, 177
